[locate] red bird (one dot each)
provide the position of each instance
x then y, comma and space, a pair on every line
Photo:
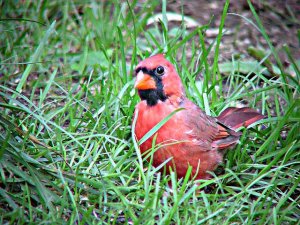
190, 137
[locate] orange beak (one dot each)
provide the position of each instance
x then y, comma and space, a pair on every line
144, 82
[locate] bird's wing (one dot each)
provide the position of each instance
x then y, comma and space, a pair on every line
207, 131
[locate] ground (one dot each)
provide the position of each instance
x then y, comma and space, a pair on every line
280, 18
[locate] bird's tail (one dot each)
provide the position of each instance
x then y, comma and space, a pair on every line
235, 118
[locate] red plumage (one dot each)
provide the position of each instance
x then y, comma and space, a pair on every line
190, 137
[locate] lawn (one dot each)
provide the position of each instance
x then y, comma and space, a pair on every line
67, 150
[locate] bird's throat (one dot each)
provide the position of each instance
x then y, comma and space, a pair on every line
152, 96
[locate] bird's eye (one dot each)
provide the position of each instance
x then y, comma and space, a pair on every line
160, 70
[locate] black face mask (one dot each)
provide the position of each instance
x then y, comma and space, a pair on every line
152, 95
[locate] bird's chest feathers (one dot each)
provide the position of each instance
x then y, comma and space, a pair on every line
149, 116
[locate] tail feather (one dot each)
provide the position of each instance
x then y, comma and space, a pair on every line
225, 143
235, 118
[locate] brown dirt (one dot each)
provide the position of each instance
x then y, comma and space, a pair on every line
281, 20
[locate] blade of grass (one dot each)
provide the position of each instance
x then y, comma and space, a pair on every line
35, 57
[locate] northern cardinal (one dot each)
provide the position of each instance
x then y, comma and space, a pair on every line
190, 137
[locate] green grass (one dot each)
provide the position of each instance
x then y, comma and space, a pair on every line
66, 98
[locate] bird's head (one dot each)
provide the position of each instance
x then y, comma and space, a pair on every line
157, 79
